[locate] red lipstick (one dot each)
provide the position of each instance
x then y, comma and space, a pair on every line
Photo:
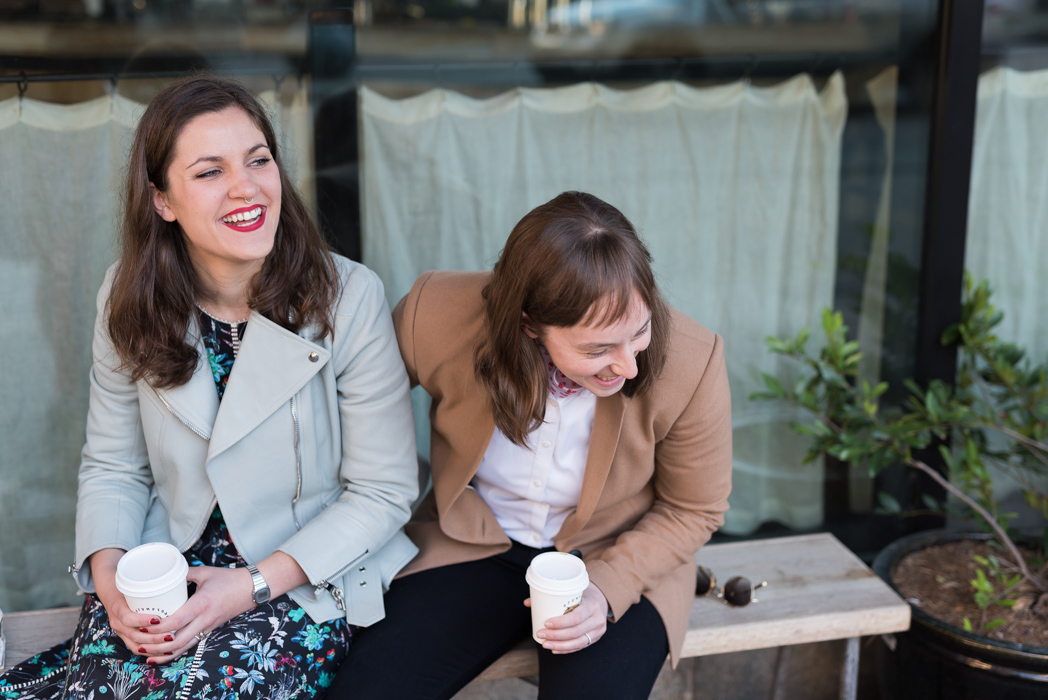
236, 226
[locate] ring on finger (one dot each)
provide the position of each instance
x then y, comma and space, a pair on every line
589, 640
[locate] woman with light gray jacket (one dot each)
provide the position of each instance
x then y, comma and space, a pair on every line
275, 449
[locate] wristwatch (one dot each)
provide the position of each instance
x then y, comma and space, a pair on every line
261, 593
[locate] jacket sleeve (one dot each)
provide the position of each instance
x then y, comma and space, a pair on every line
379, 466
115, 482
692, 482
404, 324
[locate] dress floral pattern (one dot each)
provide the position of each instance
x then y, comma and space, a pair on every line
222, 343
272, 652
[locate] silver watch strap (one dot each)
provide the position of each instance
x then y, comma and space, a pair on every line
256, 578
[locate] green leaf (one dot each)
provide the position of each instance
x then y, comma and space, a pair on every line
932, 404
993, 624
773, 385
1007, 603
981, 560
889, 502
967, 625
801, 339
929, 502
776, 345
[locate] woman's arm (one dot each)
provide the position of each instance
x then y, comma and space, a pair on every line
379, 465
115, 480
692, 483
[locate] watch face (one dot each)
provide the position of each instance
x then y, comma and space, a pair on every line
262, 596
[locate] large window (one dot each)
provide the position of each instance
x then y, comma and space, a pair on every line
774, 155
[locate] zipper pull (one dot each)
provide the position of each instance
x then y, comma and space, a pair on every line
340, 602
335, 591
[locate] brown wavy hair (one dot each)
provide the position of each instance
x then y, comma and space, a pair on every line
575, 259
152, 297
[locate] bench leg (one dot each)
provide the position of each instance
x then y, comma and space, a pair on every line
850, 670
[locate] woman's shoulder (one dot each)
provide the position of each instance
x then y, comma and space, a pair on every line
692, 351
442, 316
446, 298
449, 286
357, 284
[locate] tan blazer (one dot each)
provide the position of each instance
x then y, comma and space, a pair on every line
657, 475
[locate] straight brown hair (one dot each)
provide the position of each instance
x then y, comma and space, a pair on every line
152, 296
575, 259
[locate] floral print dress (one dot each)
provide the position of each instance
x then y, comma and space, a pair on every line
272, 652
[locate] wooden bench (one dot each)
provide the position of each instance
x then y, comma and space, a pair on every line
817, 591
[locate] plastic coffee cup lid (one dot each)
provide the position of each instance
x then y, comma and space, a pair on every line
557, 572
150, 569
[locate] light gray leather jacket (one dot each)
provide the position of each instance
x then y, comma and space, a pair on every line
311, 452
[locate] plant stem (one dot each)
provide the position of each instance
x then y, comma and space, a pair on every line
990, 520
1035, 448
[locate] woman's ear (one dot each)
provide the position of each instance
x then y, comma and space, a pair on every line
527, 326
160, 204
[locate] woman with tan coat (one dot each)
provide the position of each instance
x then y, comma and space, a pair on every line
573, 410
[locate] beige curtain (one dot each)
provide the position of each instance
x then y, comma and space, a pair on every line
1008, 206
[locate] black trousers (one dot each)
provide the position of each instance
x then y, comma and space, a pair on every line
444, 626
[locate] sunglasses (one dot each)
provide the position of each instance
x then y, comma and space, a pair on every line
736, 592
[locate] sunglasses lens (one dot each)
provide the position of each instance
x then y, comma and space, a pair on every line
738, 591
705, 581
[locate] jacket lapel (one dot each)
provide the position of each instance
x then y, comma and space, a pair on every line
272, 365
196, 401
607, 424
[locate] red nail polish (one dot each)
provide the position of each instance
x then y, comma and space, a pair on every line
151, 662
169, 653
155, 621
143, 629
141, 650
169, 638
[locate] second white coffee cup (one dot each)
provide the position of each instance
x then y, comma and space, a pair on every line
152, 578
557, 581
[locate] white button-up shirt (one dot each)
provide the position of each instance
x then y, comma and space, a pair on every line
532, 491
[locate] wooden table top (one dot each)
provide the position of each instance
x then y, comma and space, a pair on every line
817, 590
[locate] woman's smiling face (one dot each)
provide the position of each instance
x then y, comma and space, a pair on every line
599, 357
222, 160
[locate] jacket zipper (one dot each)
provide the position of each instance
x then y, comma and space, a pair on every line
335, 591
298, 468
186, 423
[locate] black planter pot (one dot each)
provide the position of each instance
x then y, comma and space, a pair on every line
937, 661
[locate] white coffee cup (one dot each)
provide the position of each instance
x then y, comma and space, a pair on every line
557, 581
152, 578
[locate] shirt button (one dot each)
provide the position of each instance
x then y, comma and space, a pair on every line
313, 357
535, 537
538, 483
545, 443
